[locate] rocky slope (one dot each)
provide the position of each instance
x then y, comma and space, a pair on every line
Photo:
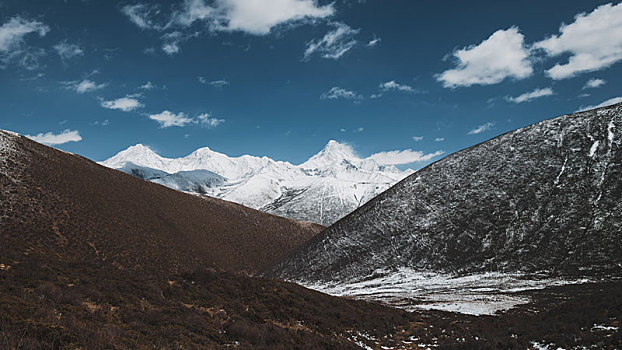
323, 189
544, 197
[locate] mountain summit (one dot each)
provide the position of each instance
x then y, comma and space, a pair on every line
323, 189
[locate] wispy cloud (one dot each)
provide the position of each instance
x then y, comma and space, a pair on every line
394, 86
339, 93
125, 104
594, 83
531, 95
606, 103
209, 121
12, 42
84, 86
373, 42
480, 129
503, 55
439, 139
50, 138
403, 157
68, 51
167, 119
580, 40
147, 86
417, 138
145, 16
218, 83
334, 44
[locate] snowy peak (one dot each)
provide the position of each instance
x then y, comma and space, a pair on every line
137, 154
334, 177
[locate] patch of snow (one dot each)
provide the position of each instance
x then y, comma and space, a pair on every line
610, 134
478, 294
594, 148
601, 327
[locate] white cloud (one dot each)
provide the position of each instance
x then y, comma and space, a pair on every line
503, 55
12, 32
403, 157
256, 17
170, 48
392, 85
147, 86
125, 104
83, 86
417, 138
528, 96
143, 15
218, 83
593, 40
210, 122
439, 139
594, 83
609, 102
336, 93
374, 42
480, 129
12, 44
168, 119
334, 44
67, 51
359, 129
50, 138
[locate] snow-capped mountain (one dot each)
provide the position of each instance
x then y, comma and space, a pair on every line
546, 197
323, 189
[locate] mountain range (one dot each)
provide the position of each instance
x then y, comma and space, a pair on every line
546, 197
323, 189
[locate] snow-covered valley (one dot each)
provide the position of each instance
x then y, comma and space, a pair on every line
329, 185
474, 294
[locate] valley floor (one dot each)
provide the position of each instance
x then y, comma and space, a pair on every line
53, 305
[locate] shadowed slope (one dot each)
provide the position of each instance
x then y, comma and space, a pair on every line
69, 207
544, 197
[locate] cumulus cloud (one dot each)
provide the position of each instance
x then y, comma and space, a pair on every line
49, 138
334, 44
256, 17
593, 40
394, 86
125, 104
503, 55
594, 83
531, 95
339, 93
167, 119
83, 86
609, 102
68, 51
403, 157
12, 43
480, 129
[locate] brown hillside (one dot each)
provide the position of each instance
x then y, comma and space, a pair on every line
61, 204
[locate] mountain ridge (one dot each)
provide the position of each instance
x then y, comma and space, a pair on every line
337, 247
322, 189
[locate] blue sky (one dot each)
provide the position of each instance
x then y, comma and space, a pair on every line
282, 77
